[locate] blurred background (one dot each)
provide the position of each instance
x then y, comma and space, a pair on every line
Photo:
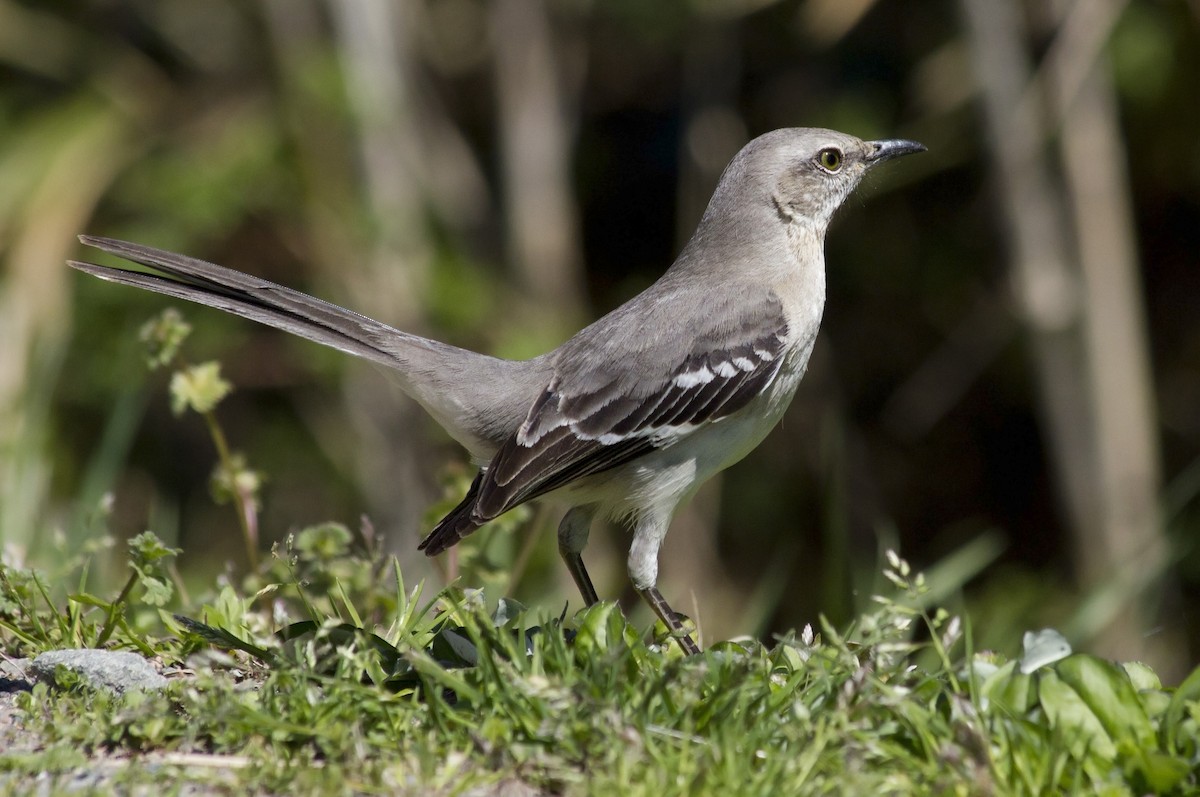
1006, 388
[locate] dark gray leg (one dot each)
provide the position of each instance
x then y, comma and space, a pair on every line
572, 538
660, 606
643, 572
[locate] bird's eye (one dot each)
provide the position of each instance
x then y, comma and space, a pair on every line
830, 159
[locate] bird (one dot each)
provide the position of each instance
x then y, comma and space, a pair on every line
628, 417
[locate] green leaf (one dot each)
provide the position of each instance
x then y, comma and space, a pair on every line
1154, 772
87, 599
146, 548
1010, 688
324, 540
223, 639
163, 335
452, 648
1187, 694
1110, 695
600, 627
1070, 714
296, 630
198, 387
233, 479
1141, 676
157, 592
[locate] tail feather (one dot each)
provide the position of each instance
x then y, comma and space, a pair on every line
456, 525
250, 297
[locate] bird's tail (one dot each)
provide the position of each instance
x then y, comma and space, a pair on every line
479, 400
249, 297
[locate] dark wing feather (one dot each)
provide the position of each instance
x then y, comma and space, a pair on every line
572, 433
621, 429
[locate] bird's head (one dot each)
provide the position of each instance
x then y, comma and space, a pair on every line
802, 174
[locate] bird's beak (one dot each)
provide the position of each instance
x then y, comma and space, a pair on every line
891, 148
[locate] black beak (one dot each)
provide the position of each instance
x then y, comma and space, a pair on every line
892, 148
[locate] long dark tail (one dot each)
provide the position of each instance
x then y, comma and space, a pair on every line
250, 297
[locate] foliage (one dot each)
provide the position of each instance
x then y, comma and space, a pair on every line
24, 595
441, 695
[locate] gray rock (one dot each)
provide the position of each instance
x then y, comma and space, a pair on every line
12, 668
114, 671
14, 676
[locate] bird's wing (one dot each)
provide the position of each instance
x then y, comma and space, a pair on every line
595, 417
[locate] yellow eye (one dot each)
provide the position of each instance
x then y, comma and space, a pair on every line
830, 159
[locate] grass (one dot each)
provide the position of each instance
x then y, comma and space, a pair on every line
322, 671
377, 690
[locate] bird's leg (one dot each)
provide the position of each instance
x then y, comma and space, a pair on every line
643, 572
660, 606
572, 538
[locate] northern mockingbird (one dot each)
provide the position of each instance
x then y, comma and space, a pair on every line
632, 414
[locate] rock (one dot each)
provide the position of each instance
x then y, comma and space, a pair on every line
13, 675
114, 671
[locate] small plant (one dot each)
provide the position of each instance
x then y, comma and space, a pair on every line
30, 615
201, 388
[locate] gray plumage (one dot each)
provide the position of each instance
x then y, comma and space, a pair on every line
633, 413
